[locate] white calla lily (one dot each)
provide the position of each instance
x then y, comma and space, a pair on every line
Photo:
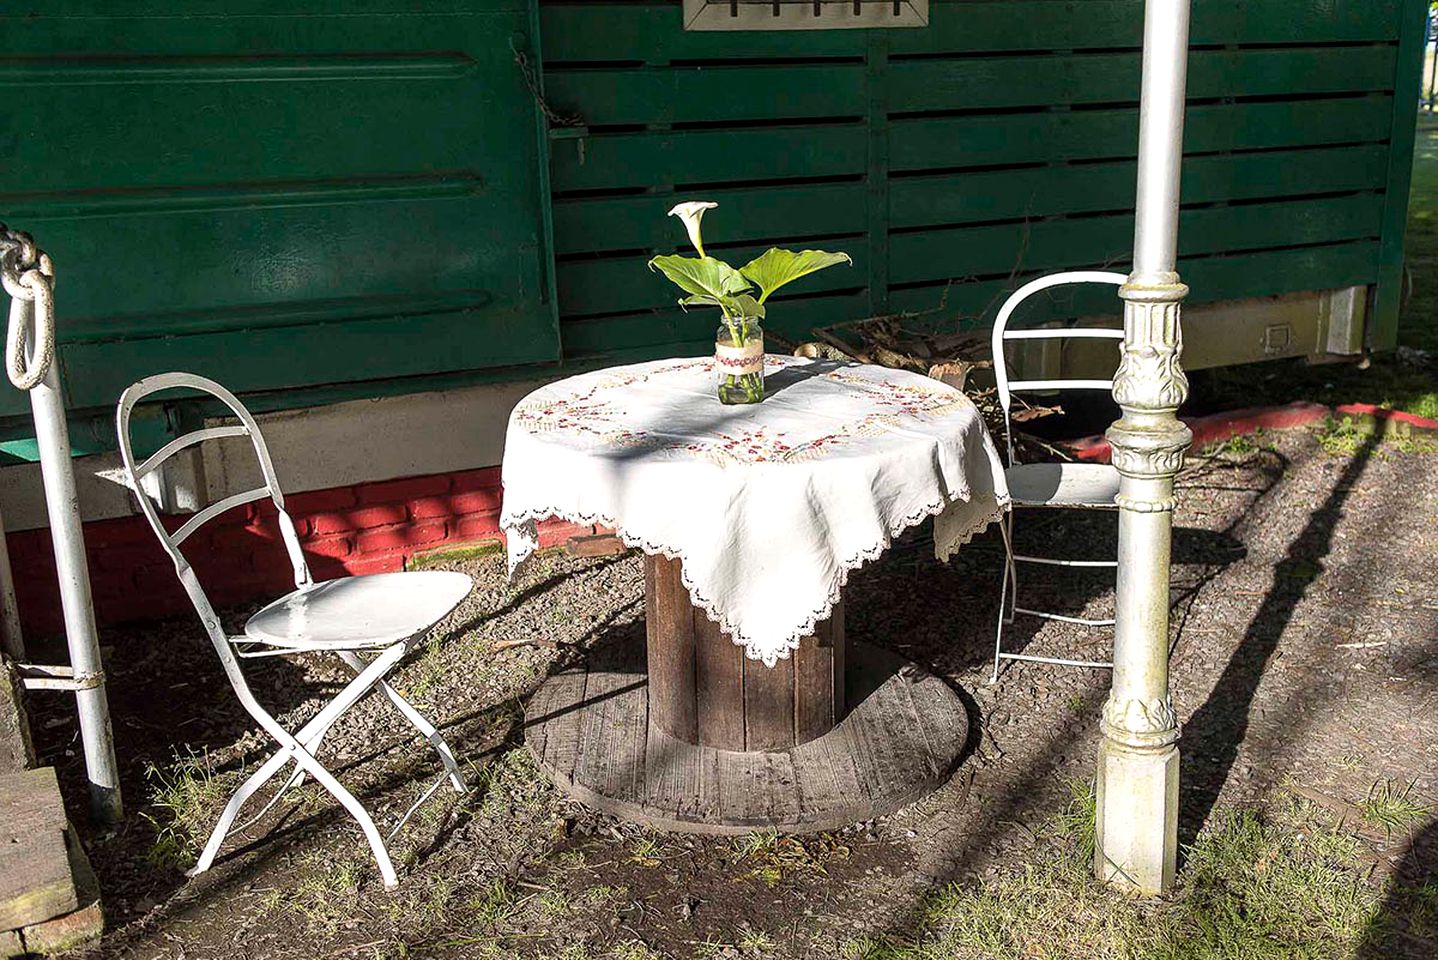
691, 212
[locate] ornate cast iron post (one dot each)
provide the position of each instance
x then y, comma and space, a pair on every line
1137, 809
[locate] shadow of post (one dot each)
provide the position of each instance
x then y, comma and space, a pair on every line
1221, 723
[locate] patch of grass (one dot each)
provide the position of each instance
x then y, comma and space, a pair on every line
754, 941
633, 950
875, 948
1420, 906
187, 796
1342, 438
448, 556
603, 894
1392, 806
1076, 824
495, 903
1250, 889
1239, 447
327, 893
1345, 437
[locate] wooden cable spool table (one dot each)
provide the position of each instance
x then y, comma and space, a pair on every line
684, 731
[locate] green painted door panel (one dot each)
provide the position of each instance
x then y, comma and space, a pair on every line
279, 195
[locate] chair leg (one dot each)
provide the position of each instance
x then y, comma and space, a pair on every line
418, 721
1010, 575
1007, 529
358, 812
297, 747
247, 789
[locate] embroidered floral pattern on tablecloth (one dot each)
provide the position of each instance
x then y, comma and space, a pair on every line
588, 413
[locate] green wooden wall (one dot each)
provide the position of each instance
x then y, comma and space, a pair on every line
955, 160
316, 201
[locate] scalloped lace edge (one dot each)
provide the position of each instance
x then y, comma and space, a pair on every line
523, 540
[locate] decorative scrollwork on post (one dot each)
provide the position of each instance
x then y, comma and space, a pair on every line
1149, 375
1141, 722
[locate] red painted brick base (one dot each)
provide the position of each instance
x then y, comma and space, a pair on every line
370, 528
376, 528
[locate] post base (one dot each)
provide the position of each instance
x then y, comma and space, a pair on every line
1136, 814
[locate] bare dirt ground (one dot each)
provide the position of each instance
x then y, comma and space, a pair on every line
1305, 663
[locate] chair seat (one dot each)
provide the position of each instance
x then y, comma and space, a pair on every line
357, 613
1063, 484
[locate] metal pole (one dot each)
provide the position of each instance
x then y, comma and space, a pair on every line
1137, 783
63, 506
28, 277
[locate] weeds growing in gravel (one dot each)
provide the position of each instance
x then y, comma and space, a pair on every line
1393, 807
1239, 447
1345, 437
187, 795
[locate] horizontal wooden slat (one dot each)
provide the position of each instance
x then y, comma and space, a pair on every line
789, 317
753, 213
963, 26
687, 94
329, 261
971, 251
180, 133
654, 32
1210, 278
615, 284
301, 356
614, 161
1066, 189
992, 82
1046, 137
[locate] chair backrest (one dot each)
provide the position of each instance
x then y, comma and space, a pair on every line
1002, 334
136, 473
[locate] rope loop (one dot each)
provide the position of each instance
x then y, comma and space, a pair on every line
28, 275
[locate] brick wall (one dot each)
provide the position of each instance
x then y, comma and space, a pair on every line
239, 557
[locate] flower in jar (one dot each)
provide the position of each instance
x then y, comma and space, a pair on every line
691, 212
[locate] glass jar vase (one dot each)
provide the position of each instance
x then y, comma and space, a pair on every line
739, 360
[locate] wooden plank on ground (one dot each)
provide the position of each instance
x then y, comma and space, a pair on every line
36, 882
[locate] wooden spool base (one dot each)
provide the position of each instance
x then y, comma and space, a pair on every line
588, 728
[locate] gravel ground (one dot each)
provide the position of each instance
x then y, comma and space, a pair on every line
1304, 660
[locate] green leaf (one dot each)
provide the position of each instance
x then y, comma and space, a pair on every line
698, 300
741, 306
701, 276
746, 306
776, 267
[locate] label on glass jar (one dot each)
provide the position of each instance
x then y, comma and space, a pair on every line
740, 360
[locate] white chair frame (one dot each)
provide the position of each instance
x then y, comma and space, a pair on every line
301, 746
1009, 590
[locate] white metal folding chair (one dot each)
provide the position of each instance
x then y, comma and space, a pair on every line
1091, 486
382, 614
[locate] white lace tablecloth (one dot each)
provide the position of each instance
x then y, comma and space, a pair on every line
768, 505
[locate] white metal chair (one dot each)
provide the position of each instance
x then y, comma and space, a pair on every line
383, 614
1091, 486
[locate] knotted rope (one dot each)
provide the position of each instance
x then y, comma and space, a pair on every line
28, 275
